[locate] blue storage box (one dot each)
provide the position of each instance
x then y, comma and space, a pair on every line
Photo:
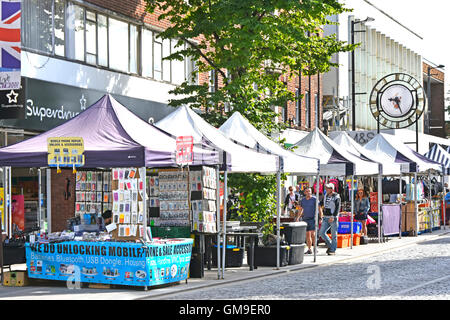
344, 227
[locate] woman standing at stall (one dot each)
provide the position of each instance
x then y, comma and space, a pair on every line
362, 206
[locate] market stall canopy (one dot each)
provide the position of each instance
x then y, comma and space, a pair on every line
241, 131
186, 122
334, 160
113, 137
344, 140
389, 149
438, 154
291, 136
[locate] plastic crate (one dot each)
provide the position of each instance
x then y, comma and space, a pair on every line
344, 227
356, 239
343, 240
171, 232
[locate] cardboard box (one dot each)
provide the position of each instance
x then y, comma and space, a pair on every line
15, 279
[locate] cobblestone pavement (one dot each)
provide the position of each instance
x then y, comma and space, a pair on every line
419, 271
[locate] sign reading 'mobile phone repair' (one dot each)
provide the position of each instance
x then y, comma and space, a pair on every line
65, 152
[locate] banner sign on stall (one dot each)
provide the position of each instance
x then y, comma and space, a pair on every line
10, 44
185, 146
65, 152
121, 263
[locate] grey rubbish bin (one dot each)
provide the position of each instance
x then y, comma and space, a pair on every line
294, 232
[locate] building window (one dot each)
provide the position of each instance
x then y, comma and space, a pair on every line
102, 34
316, 110
298, 104
91, 37
307, 110
68, 29
118, 44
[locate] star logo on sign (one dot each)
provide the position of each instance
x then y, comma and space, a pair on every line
12, 97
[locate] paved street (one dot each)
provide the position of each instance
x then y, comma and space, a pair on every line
416, 272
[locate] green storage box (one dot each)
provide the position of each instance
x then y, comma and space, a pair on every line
171, 232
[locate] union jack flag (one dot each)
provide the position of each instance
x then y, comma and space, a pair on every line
10, 35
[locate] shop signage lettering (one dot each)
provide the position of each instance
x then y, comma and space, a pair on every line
112, 251
46, 112
114, 263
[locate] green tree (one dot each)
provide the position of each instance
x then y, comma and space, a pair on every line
248, 44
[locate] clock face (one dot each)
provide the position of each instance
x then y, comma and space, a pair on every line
397, 101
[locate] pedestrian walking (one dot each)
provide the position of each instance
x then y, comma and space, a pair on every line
362, 206
307, 213
331, 204
291, 202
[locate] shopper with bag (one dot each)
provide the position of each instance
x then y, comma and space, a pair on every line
307, 213
362, 207
291, 203
331, 204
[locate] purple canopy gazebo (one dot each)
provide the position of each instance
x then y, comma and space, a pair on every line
113, 137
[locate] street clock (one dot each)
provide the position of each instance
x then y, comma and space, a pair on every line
397, 101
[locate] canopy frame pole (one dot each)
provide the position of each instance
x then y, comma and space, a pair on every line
278, 216
430, 211
415, 204
39, 198
352, 211
401, 206
225, 196
316, 218
443, 204
144, 179
219, 228
380, 195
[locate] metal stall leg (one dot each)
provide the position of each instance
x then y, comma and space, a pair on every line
278, 216
225, 196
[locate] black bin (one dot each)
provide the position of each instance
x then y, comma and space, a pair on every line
294, 232
296, 253
234, 256
266, 256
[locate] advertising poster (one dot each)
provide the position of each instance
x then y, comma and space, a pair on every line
18, 211
2, 206
119, 263
65, 151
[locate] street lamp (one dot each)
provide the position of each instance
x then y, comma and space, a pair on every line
352, 41
429, 68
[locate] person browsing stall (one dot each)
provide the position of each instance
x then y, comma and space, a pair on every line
307, 212
331, 204
362, 207
107, 219
291, 202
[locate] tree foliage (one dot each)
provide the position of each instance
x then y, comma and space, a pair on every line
246, 43
253, 47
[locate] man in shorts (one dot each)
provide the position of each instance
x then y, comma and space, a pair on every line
307, 212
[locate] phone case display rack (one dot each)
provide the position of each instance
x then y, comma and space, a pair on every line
183, 198
93, 192
128, 203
